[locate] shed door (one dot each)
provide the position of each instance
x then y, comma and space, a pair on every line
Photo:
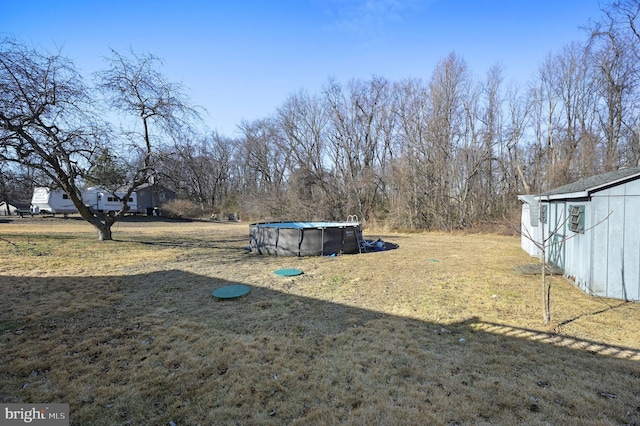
557, 227
556, 250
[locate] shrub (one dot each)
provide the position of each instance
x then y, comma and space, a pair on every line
182, 209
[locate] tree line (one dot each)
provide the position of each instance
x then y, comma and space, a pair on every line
448, 151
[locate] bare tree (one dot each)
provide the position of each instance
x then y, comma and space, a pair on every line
412, 170
447, 89
199, 169
512, 160
493, 148
265, 163
614, 54
46, 123
155, 110
360, 138
616, 40
16, 183
303, 120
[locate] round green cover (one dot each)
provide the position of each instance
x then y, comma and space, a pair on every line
231, 291
290, 272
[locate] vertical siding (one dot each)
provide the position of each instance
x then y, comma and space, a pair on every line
631, 261
144, 199
577, 249
599, 243
529, 233
615, 254
615, 251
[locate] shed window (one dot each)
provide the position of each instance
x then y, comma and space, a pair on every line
543, 213
576, 219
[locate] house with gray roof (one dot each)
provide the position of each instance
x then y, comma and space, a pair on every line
14, 208
591, 231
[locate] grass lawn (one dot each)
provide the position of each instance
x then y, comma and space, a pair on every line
442, 330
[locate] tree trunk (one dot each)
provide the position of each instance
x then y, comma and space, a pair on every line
546, 296
104, 231
546, 285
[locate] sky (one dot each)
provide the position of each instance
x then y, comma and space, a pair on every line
241, 59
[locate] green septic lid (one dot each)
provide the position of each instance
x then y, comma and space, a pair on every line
290, 272
231, 291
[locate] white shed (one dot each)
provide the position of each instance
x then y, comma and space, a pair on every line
591, 230
530, 229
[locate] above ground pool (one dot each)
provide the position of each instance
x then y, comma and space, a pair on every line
305, 238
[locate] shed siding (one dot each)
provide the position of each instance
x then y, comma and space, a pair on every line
529, 233
631, 276
605, 259
615, 251
577, 249
616, 242
600, 245
631, 261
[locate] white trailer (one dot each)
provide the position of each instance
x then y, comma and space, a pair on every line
104, 201
46, 200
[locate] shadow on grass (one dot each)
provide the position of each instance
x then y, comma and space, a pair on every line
601, 311
558, 339
158, 348
217, 244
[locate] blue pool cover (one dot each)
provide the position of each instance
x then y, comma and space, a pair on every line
304, 225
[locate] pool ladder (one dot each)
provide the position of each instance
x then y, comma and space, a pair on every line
362, 244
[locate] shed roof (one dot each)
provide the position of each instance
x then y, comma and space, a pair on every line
584, 187
23, 205
148, 185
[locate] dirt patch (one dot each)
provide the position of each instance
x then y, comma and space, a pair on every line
536, 269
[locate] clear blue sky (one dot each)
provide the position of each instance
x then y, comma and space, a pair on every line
240, 59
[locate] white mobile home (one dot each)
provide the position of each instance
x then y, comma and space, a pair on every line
591, 231
104, 201
47, 200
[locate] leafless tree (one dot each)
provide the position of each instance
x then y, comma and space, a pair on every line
447, 88
264, 161
155, 111
199, 168
513, 159
412, 169
47, 124
359, 137
303, 122
614, 55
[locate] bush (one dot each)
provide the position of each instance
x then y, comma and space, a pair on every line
184, 209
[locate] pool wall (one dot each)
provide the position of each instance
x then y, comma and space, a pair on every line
304, 238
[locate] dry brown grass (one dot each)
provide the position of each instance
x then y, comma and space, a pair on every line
127, 332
